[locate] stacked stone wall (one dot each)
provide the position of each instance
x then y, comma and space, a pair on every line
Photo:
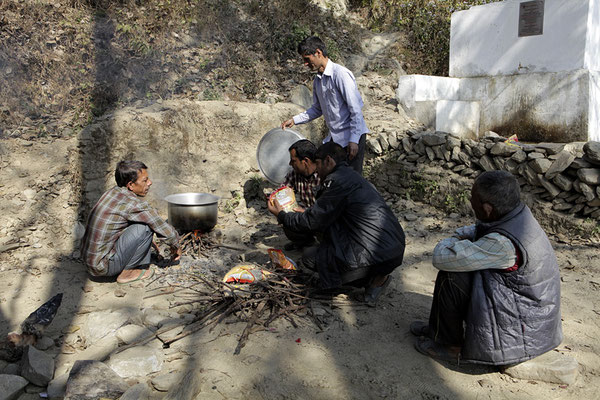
562, 179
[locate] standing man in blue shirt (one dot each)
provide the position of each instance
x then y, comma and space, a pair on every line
336, 98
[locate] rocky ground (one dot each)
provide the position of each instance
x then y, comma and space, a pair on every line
357, 352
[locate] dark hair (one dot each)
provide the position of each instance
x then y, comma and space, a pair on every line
304, 149
127, 171
310, 46
500, 189
332, 150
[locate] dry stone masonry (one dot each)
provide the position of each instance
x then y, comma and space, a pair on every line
566, 175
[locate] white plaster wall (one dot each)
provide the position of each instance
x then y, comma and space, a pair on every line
592, 52
413, 88
458, 117
484, 39
566, 102
557, 101
418, 95
594, 107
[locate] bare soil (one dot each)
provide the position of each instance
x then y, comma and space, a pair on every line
65, 65
360, 353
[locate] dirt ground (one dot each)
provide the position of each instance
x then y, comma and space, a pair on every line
360, 353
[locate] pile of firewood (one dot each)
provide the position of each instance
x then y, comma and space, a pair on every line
195, 244
283, 294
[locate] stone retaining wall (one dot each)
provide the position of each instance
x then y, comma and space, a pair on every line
564, 176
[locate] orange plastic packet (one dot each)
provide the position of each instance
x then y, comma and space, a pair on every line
286, 198
280, 260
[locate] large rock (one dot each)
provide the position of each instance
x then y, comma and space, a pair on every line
550, 367
563, 182
551, 148
503, 149
433, 139
512, 166
141, 391
37, 366
383, 142
486, 163
540, 165
479, 150
57, 388
374, 146
531, 176
164, 382
580, 163
464, 158
100, 349
453, 141
12, 369
535, 155
11, 386
594, 203
591, 176
93, 380
101, 323
549, 186
519, 156
562, 162
136, 361
587, 191
131, 333
157, 318
592, 152
419, 147
171, 330
407, 144
301, 96
44, 343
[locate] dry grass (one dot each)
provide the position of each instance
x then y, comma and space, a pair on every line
65, 62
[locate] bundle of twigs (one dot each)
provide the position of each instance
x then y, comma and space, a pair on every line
194, 244
287, 295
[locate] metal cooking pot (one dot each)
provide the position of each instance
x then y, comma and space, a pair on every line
192, 211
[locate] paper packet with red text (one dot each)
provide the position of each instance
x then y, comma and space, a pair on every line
286, 198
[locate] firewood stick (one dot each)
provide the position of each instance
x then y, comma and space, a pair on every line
181, 239
162, 294
196, 326
246, 332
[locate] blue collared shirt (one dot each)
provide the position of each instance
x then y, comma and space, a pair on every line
336, 98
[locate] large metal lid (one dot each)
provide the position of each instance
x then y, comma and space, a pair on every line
272, 153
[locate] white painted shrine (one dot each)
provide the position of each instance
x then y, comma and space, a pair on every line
516, 66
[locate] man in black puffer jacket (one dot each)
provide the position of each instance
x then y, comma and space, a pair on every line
496, 299
361, 237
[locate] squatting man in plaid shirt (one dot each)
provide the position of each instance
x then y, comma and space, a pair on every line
120, 228
305, 181
496, 299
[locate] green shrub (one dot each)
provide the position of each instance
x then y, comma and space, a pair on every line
426, 23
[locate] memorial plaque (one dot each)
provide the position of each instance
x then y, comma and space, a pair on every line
531, 18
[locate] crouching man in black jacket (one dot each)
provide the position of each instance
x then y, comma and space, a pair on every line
361, 237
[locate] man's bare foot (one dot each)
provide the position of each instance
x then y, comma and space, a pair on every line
132, 275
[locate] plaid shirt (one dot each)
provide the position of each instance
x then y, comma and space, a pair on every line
116, 210
460, 254
305, 188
